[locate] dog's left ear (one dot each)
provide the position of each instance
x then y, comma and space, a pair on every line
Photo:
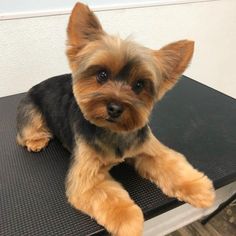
172, 60
83, 27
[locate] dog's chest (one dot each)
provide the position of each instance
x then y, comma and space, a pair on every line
117, 145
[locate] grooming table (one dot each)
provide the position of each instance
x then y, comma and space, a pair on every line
192, 119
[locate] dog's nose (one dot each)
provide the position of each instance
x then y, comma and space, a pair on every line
114, 110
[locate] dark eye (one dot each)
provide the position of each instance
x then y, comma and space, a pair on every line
102, 76
138, 86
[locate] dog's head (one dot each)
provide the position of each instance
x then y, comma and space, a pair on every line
116, 82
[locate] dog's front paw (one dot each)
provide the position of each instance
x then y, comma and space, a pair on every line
198, 192
126, 221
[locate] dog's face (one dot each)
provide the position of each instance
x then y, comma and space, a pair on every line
117, 82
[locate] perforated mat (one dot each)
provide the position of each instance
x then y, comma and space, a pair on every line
193, 119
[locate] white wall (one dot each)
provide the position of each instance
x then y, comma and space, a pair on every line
32, 49
12, 7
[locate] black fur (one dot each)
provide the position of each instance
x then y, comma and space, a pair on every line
125, 71
54, 98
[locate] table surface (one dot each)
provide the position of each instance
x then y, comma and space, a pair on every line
192, 119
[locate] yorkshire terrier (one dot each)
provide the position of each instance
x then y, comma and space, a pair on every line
100, 114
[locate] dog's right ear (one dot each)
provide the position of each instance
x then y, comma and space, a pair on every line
83, 27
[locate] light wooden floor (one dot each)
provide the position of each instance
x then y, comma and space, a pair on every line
223, 224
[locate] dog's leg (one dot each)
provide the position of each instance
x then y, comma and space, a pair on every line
32, 131
173, 174
92, 190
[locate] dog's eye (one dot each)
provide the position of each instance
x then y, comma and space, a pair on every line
138, 86
102, 76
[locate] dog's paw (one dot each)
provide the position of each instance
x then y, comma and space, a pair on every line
36, 145
126, 221
198, 192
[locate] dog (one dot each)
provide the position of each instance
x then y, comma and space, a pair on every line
100, 113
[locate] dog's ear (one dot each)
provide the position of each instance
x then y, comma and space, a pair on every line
83, 27
172, 60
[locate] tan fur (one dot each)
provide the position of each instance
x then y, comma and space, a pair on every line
35, 135
88, 27
173, 174
172, 60
91, 189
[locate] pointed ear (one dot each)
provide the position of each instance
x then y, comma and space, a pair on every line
172, 60
83, 27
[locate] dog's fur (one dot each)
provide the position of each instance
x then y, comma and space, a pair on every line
105, 70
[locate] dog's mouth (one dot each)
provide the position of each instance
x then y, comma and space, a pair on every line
107, 119
114, 124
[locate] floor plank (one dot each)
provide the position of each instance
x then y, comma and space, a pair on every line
223, 224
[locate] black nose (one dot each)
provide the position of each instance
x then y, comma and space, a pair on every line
114, 110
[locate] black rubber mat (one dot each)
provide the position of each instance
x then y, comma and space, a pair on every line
193, 119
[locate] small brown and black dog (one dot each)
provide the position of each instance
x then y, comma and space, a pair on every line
100, 114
